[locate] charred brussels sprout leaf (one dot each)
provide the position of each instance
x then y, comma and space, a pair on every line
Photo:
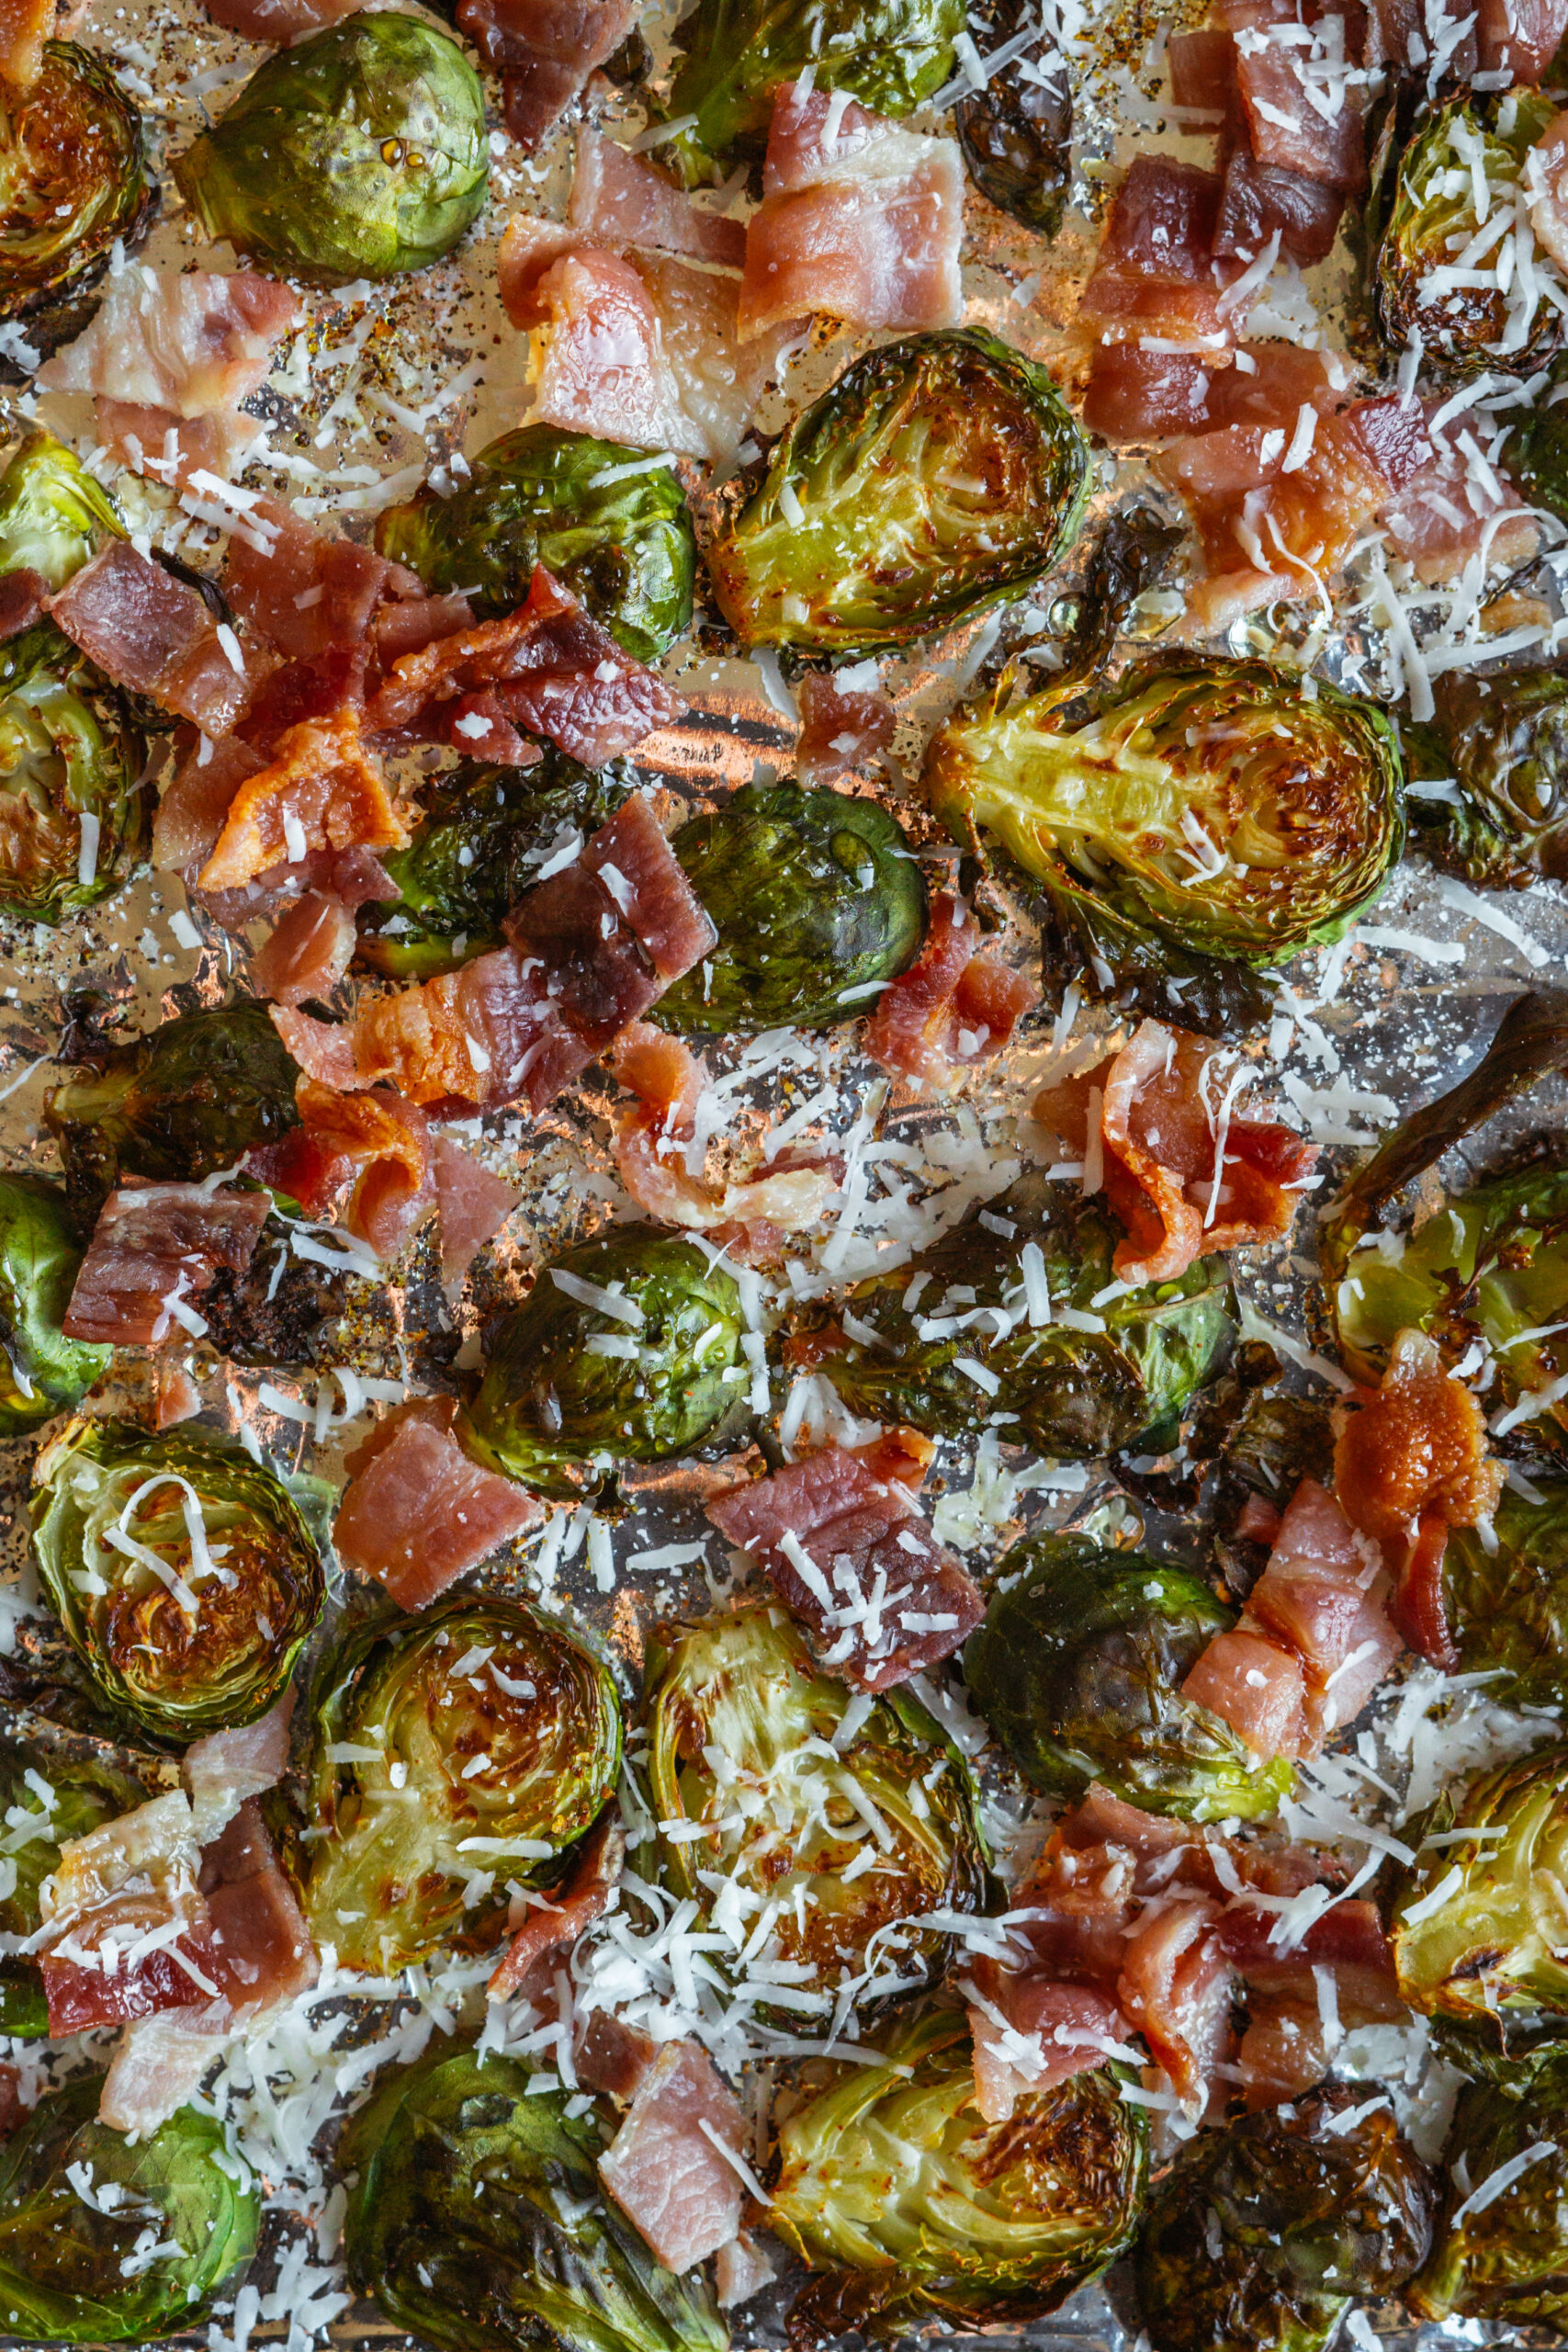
613, 529
1073, 1393
551, 1398
816, 896
1259, 2235
1505, 2258
1017, 135
359, 152
53, 1787
1504, 743
894, 2188
400, 1713
76, 2273
1078, 1668
1536, 451
73, 177
477, 2220
41, 1372
54, 515
184, 1575
791, 1802
940, 475
1506, 1606
70, 762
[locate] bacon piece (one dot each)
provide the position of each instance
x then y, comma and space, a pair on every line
1274, 76
24, 26
1255, 1686
175, 1397
298, 691
955, 1005
664, 2169
546, 1927
125, 1927
308, 952
155, 1246
363, 1156
159, 2065
1203, 79
1154, 274
650, 1149
1259, 200
171, 449
545, 51
194, 803
841, 726
302, 592
1031, 2032
1413, 34
147, 630
473, 1204
1392, 432
1137, 395
1270, 383
23, 599
276, 20
1520, 38
480, 730
741, 2270
1338, 1977
226, 1768
419, 1513
1176, 1986
262, 1947
318, 791
617, 199
1440, 519
191, 345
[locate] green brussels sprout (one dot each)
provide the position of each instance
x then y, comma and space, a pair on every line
939, 476
609, 525
176, 1104
1503, 2255
53, 1787
70, 764
361, 152
1078, 1668
478, 2222
185, 1577
893, 2186
891, 54
483, 834
1234, 809
53, 514
72, 178
746, 1733
1016, 135
655, 1370
409, 1849
1084, 1382
104, 2240
1466, 328
1506, 1606
41, 1372
1259, 2235
1536, 451
1501, 746
815, 898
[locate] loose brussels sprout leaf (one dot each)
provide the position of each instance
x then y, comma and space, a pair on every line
891, 54
1506, 1603
1214, 804
479, 845
401, 1711
477, 2220
1116, 1376
1259, 2235
746, 1733
1017, 135
1506, 2257
654, 1371
41, 1372
1500, 748
53, 1787
815, 898
891, 2183
1078, 1668
940, 475
73, 177
76, 2272
606, 524
359, 152
175, 1105
70, 764
182, 1570
54, 515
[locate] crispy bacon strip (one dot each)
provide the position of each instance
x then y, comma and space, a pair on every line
663, 2168
126, 1930
183, 345
955, 1006
319, 791
147, 630
652, 1162
544, 1927
364, 1158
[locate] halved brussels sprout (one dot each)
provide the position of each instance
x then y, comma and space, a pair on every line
892, 2185
361, 152
73, 177
1017, 135
1502, 744
453, 1752
605, 523
53, 514
1506, 1601
41, 1372
627, 1349
939, 476
69, 764
104, 2240
838, 1822
1232, 808
53, 1786
183, 1572
478, 2222
1259, 2235
817, 897
1504, 2255
1072, 1379
1536, 451
1078, 1668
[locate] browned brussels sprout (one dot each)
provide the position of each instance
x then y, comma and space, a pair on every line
71, 762
41, 1372
53, 514
1506, 1597
1498, 748
1501, 2247
73, 179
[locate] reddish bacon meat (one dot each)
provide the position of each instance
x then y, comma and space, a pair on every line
225, 1768
361, 1156
125, 1925
545, 1926
24, 26
1323, 141
1175, 1988
1031, 2031
651, 1157
544, 52
1262, 200
1445, 510
278, 20
955, 1006
194, 803
741, 2270
663, 2168
417, 1513
175, 1397
617, 199
318, 791
308, 952
154, 1250
171, 449
473, 1204
303, 593
1520, 37
24, 596
190, 345
1154, 274
842, 726
149, 631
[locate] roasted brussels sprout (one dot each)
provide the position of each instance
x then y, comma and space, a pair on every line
785, 1762
611, 527
53, 1787
1505, 1601
1500, 747
182, 1570
1259, 2235
1076, 1380
73, 177
1078, 1668
104, 2240
41, 1372
1536, 451
412, 1846
361, 152
1501, 2246
477, 2220
1017, 135
1218, 806
69, 764
627, 1349
1468, 328
817, 897
893, 2187
54, 515
940, 475
175, 1105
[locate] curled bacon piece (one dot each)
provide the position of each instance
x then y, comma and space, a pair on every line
955, 1006
308, 952
1030, 2033
154, 1250
149, 632
547, 1925
318, 791
364, 1158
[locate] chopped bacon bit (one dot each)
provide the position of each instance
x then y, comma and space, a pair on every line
957, 1005
1031, 2031
24, 26
842, 728
1137, 395
126, 1930
665, 2171
546, 1925
308, 952
149, 631
1258, 1519
319, 791
410, 625
612, 2056
741, 2270
306, 593
1255, 1686
1433, 522
1154, 274
617, 199
474, 1205
544, 52
171, 448
1277, 92
1176, 1986
1259, 200
225, 1768
418, 1513
385, 1144
315, 688
156, 1247
652, 1161
478, 728
278, 20
1520, 38
23, 595
175, 1397
193, 804
262, 1947
191, 344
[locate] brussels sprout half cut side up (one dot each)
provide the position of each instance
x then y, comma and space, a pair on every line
85, 1788
746, 1688
400, 1713
1499, 750
69, 764
477, 2220
940, 475
1505, 1602
610, 527
70, 2272
72, 178
893, 2188
1078, 1668
41, 1372
54, 515
359, 152
1505, 2255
